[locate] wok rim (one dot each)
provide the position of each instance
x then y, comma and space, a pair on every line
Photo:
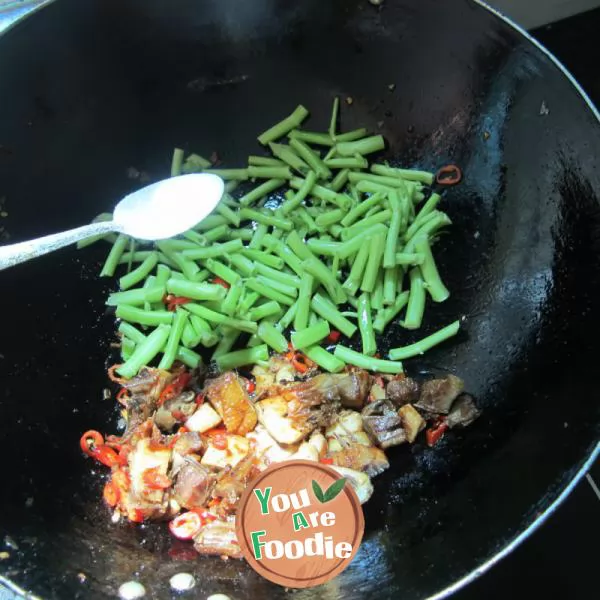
594, 454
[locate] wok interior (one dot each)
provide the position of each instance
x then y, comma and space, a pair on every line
116, 84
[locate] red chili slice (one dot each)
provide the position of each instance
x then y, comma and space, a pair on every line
435, 434
449, 175
334, 336
326, 461
111, 494
90, 440
251, 386
186, 525
155, 480
219, 281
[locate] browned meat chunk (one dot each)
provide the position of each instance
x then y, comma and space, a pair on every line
145, 389
233, 482
218, 537
463, 412
437, 395
368, 459
402, 391
189, 443
383, 424
412, 422
350, 389
193, 484
230, 399
175, 411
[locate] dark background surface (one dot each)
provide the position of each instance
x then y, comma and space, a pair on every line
560, 560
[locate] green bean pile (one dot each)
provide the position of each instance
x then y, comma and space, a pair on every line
334, 253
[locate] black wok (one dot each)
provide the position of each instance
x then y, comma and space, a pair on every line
91, 88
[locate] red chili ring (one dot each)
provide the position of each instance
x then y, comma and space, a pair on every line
449, 175
91, 440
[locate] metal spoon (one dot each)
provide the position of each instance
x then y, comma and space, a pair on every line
155, 212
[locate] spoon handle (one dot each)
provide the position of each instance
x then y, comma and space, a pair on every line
14, 254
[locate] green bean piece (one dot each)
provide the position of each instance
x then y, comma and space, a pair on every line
357, 270
390, 285
420, 176
340, 180
385, 316
364, 146
244, 265
264, 161
145, 351
215, 234
353, 245
129, 331
390, 182
323, 247
369, 363
170, 349
268, 309
239, 358
137, 256
330, 218
268, 292
268, 260
214, 250
248, 301
188, 268
257, 238
270, 335
426, 343
241, 234
383, 216
324, 359
312, 137
433, 283
264, 189
289, 157
176, 245
284, 127
222, 271
365, 325
403, 258
176, 162
127, 348
265, 219
189, 337
188, 357
351, 136
143, 317
334, 116
416, 301
328, 311
427, 230
391, 242
377, 295
210, 222
131, 252
309, 157
360, 209
277, 275
278, 285
305, 217
311, 335
428, 207
225, 211
201, 276
230, 174
205, 334
163, 274
231, 186
303, 304
303, 191
215, 317
137, 296
229, 337
348, 162
195, 162
419, 221
139, 273
371, 187
320, 272
177, 275
376, 247
284, 252
196, 291
287, 318
112, 260
270, 172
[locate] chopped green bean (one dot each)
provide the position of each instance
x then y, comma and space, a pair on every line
188, 357
265, 219
270, 172
247, 302
427, 229
367, 362
353, 245
376, 247
420, 176
351, 136
114, 256
163, 274
284, 127
244, 265
365, 325
310, 336
176, 162
289, 157
391, 242
320, 272
303, 304
170, 349
340, 180
127, 348
390, 182
260, 287
131, 332
425, 344
225, 211
269, 260
385, 316
214, 250
433, 283
145, 352
416, 301
383, 216
196, 162
229, 337
285, 253
348, 162
264, 161
288, 317
324, 359
261, 191
269, 334
309, 157
328, 311
239, 358
390, 285
334, 116
277, 275
329, 218
323, 247
354, 279
403, 258
196, 291
311, 137
377, 295
188, 267
137, 256
215, 317
363, 146
210, 222
137, 296
267, 309
361, 208
222, 271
